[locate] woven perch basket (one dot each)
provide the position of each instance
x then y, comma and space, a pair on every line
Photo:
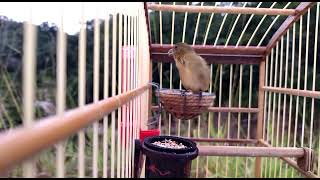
184, 107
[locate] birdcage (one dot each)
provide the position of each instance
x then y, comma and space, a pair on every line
259, 117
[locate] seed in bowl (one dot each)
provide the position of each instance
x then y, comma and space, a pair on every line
169, 144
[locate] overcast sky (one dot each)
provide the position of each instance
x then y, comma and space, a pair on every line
51, 11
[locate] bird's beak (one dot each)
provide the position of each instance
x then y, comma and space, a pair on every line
170, 52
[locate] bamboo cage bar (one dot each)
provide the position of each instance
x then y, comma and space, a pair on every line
24, 142
284, 98
161, 64
224, 140
105, 96
81, 91
316, 31
61, 93
221, 26
120, 151
29, 79
127, 72
113, 92
124, 109
295, 92
305, 77
224, 109
250, 151
216, 9
96, 70
291, 86
197, 25
130, 87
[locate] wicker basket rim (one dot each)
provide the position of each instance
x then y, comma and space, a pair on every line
178, 92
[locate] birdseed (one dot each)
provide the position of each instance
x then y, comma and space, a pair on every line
169, 144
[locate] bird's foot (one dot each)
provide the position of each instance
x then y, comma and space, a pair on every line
183, 92
200, 95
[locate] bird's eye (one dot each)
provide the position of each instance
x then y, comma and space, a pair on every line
175, 47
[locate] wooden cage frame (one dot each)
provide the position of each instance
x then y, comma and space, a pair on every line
217, 54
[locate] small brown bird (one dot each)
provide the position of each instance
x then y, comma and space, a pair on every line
193, 70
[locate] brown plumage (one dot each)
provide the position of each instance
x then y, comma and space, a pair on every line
193, 70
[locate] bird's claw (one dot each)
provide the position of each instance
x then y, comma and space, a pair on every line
200, 95
183, 92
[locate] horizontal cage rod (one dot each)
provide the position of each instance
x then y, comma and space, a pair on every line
250, 151
211, 49
20, 143
295, 92
224, 140
217, 9
214, 54
224, 109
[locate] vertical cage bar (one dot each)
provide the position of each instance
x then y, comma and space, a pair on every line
285, 98
265, 124
96, 68
119, 92
180, 83
314, 84
82, 92
220, 29
291, 87
61, 93
229, 115
279, 101
172, 36
219, 113
269, 106
29, 84
105, 96
197, 25
273, 105
210, 88
161, 64
305, 78
298, 87
260, 114
113, 115
273, 139
239, 114
209, 122
130, 87
124, 108
135, 86
208, 26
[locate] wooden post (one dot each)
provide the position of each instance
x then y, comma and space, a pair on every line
260, 113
